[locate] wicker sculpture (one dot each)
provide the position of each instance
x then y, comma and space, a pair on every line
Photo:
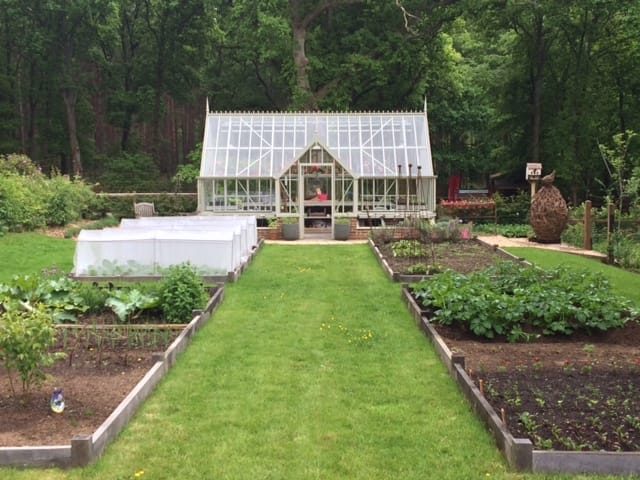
549, 213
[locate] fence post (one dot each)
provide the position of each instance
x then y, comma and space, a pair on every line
588, 240
610, 228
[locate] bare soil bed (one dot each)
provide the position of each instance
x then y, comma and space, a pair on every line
464, 256
94, 378
564, 393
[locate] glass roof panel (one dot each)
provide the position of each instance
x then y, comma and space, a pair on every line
264, 145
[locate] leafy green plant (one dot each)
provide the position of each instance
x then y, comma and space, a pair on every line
128, 304
56, 292
182, 292
424, 269
509, 300
510, 230
25, 340
408, 248
342, 220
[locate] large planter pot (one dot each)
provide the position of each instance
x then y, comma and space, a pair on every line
290, 231
341, 231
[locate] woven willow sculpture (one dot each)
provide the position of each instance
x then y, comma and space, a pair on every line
549, 213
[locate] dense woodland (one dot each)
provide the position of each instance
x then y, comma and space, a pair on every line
115, 90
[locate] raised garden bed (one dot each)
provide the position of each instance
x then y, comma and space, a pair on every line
104, 383
463, 256
550, 400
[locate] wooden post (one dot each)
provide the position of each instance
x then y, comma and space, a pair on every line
610, 228
588, 240
533, 189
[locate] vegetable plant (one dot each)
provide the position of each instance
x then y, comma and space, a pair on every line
182, 292
518, 302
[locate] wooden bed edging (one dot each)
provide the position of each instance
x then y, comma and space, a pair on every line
86, 449
519, 452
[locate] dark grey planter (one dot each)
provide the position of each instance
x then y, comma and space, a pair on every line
341, 231
290, 231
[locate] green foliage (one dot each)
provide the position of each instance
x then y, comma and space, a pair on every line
25, 340
17, 164
424, 269
626, 251
188, 173
131, 172
129, 303
94, 296
67, 200
620, 166
166, 204
21, 205
408, 248
30, 200
516, 302
508, 230
514, 209
56, 293
182, 292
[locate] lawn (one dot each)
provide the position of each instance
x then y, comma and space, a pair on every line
29, 253
311, 368
624, 283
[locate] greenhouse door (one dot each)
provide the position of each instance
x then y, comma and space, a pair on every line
316, 183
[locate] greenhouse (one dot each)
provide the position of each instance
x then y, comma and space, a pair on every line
146, 247
375, 168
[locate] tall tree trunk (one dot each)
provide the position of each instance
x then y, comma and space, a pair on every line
301, 63
300, 23
537, 87
70, 96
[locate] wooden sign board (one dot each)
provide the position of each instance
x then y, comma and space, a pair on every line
534, 171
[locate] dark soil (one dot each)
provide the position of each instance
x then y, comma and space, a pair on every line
565, 393
464, 256
99, 371
576, 393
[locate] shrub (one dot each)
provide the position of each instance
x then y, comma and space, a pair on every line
181, 293
25, 340
66, 200
513, 209
21, 205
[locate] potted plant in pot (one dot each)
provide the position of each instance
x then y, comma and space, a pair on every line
290, 228
341, 228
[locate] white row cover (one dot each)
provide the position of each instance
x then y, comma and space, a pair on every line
248, 224
213, 248
265, 145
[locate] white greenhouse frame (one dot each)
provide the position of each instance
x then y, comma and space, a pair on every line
270, 165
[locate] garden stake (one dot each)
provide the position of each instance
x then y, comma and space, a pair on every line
504, 416
470, 374
481, 385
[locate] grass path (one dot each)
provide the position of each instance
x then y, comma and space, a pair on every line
311, 368
29, 253
623, 282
